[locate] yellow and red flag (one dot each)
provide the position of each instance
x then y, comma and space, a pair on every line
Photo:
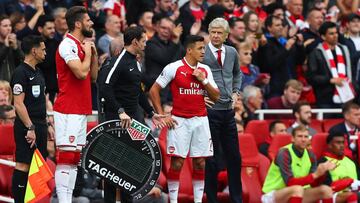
39, 175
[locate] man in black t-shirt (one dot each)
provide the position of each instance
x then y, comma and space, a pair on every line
30, 127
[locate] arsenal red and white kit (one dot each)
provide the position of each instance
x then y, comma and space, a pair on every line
192, 133
73, 102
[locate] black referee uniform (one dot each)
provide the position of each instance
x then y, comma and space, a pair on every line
32, 83
119, 83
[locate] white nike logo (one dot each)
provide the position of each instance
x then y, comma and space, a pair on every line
31, 78
21, 186
184, 73
131, 69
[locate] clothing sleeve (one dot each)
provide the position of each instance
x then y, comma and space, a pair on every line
166, 76
210, 77
18, 82
283, 160
107, 88
312, 75
68, 50
237, 74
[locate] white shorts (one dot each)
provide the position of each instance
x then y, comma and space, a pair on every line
190, 133
70, 130
268, 197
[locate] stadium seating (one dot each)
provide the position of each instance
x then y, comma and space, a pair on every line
317, 125
259, 129
318, 144
278, 142
328, 123
7, 144
253, 170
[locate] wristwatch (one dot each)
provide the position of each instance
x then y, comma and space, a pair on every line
31, 127
121, 110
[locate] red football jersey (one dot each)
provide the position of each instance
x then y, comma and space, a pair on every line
187, 91
74, 95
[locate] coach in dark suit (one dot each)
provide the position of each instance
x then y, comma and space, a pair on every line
350, 126
224, 65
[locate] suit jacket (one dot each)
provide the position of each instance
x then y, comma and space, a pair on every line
228, 78
319, 75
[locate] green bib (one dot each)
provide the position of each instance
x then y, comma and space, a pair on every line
300, 167
345, 169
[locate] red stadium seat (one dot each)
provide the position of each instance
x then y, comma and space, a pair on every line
253, 170
317, 125
328, 123
259, 129
7, 144
318, 144
278, 142
91, 125
5, 180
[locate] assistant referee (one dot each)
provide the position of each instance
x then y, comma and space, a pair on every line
30, 127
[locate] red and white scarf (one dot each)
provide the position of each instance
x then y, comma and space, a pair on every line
338, 71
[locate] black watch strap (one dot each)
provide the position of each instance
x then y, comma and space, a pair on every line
31, 127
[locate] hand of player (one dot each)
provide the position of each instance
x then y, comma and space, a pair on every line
200, 76
86, 46
125, 120
208, 102
155, 192
51, 132
170, 122
30, 137
323, 168
157, 119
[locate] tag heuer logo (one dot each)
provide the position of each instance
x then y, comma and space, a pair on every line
138, 131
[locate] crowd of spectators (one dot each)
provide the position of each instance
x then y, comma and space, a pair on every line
286, 48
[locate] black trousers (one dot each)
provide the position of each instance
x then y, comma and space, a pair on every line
224, 136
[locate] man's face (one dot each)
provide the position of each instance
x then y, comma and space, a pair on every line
48, 31
165, 5
279, 13
60, 23
353, 117
5, 28
331, 36
301, 139
279, 129
86, 25
304, 117
276, 28
245, 56
316, 19
140, 44
40, 52
336, 146
295, 7
238, 31
114, 24
146, 19
292, 95
217, 36
256, 101
164, 29
197, 51
354, 26
228, 4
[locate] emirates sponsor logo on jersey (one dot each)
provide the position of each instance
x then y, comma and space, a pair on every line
193, 90
138, 131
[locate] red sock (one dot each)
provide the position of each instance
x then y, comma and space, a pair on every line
352, 198
295, 199
329, 200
